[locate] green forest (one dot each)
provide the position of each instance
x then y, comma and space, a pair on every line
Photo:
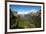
31, 20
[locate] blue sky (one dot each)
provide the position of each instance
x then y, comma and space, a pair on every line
24, 8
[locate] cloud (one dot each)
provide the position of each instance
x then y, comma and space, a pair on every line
26, 12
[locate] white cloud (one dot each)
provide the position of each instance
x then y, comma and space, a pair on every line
26, 12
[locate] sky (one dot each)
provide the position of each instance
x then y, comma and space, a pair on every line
24, 9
